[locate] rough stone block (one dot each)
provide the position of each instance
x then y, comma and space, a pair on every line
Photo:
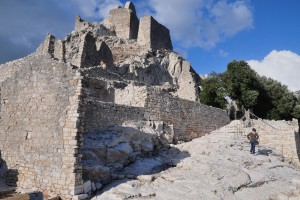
153, 35
87, 187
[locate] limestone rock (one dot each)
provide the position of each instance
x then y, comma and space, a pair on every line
212, 170
96, 172
87, 187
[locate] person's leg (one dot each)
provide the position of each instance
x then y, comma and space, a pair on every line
252, 150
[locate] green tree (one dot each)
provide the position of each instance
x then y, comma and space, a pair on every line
242, 83
296, 110
283, 101
213, 92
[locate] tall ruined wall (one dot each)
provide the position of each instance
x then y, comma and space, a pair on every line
153, 35
9, 68
185, 77
283, 136
38, 130
86, 54
123, 21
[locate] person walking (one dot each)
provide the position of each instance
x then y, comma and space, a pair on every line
253, 137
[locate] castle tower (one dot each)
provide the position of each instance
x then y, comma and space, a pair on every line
124, 21
153, 35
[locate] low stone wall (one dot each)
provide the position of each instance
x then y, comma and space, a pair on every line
189, 118
283, 136
99, 115
38, 127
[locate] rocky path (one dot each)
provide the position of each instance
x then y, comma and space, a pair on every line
216, 166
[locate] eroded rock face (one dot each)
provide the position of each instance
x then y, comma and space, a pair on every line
107, 152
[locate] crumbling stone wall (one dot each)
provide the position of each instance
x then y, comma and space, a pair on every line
189, 118
39, 134
88, 53
131, 96
185, 77
153, 35
80, 24
123, 21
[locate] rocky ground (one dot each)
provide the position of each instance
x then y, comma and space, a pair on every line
217, 166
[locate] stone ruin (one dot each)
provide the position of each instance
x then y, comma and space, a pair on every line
77, 111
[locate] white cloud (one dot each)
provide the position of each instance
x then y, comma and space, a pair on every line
95, 8
283, 66
223, 53
202, 23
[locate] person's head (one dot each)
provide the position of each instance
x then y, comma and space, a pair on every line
253, 129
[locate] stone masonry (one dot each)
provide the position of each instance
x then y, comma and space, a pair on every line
38, 129
124, 21
153, 35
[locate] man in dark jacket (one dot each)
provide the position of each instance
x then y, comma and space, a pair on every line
253, 137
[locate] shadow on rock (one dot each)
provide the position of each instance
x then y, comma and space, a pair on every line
8, 180
265, 152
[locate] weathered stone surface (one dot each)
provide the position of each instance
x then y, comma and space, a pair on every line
34, 114
47, 47
123, 21
96, 172
153, 35
218, 166
80, 197
87, 187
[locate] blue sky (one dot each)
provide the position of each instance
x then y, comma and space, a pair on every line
208, 33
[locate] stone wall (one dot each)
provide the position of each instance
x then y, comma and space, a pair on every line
131, 96
9, 68
190, 119
185, 77
100, 115
124, 21
38, 126
88, 54
80, 24
153, 35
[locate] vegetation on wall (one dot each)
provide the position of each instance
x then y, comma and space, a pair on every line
265, 97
